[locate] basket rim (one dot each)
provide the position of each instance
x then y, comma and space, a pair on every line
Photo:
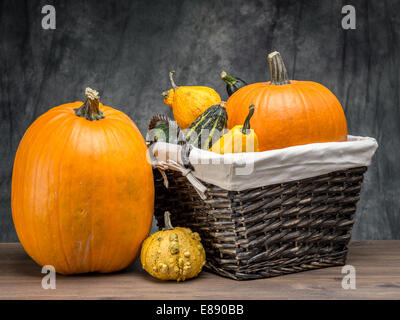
240, 171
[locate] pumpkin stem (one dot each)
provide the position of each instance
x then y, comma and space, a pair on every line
277, 68
90, 109
246, 124
171, 74
167, 221
229, 79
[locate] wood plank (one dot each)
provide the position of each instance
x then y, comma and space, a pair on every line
377, 266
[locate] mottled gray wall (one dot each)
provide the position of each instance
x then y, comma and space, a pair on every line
126, 48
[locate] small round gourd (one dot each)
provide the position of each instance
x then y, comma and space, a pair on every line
189, 102
173, 253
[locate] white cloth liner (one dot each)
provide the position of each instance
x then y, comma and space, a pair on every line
240, 171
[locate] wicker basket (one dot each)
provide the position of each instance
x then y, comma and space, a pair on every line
267, 231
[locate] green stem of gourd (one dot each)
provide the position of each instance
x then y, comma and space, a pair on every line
90, 109
171, 74
246, 124
228, 78
277, 69
167, 221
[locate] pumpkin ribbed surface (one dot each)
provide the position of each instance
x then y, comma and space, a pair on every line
286, 115
82, 191
288, 112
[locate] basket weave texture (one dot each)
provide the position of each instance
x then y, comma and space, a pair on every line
266, 231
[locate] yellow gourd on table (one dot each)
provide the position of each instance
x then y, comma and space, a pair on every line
239, 139
188, 102
173, 253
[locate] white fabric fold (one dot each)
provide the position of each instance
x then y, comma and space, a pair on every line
240, 171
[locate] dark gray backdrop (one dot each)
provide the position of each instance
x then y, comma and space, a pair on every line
126, 48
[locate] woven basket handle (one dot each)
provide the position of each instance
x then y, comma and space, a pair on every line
166, 156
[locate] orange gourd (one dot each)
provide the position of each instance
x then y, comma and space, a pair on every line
82, 189
288, 112
189, 102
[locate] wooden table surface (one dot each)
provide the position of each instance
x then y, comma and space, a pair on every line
377, 265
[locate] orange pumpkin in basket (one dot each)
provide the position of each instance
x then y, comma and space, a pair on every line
82, 189
288, 112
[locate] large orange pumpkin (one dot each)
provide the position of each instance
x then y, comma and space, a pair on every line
288, 112
82, 189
